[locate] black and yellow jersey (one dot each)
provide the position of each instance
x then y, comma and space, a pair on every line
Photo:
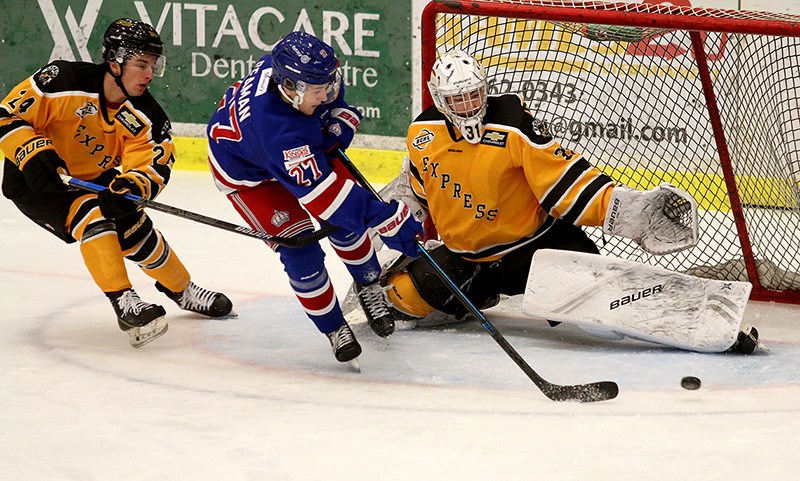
487, 199
62, 107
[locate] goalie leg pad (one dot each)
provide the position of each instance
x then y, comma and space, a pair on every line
432, 290
636, 300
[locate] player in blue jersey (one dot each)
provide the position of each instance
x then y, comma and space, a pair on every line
271, 151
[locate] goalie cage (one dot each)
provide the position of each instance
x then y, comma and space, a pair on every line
705, 99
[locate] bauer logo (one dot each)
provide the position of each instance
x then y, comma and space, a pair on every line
130, 121
638, 295
494, 138
423, 138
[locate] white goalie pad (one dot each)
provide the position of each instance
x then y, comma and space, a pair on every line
661, 220
627, 298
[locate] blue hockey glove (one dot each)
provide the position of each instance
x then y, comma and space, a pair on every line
398, 228
340, 129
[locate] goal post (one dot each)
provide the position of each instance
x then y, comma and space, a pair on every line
706, 99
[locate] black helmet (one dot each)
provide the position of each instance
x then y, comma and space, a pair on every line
125, 38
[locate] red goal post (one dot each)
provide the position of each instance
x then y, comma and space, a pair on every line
706, 99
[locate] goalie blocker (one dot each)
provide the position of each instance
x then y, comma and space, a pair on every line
613, 298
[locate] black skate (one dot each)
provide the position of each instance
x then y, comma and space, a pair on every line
142, 321
746, 342
199, 300
344, 344
373, 302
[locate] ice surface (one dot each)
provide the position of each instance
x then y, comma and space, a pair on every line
260, 397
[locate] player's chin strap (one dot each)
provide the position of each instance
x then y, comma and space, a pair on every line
118, 79
296, 241
597, 391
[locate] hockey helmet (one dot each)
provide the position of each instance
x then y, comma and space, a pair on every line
301, 60
459, 88
125, 38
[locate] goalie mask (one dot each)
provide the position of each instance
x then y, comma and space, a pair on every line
126, 38
458, 88
301, 61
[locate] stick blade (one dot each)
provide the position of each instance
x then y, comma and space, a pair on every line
585, 393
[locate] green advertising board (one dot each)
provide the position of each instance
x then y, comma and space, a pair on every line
212, 44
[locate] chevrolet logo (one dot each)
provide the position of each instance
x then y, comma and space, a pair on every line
494, 136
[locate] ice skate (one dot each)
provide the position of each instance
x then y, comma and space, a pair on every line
143, 322
746, 342
345, 346
199, 300
373, 302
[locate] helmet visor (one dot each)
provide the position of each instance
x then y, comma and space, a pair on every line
330, 88
142, 60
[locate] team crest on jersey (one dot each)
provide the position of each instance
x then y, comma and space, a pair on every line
423, 138
279, 218
297, 153
495, 138
87, 109
130, 121
46, 75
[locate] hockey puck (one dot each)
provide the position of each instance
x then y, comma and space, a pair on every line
691, 383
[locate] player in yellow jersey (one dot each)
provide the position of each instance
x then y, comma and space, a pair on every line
98, 122
498, 187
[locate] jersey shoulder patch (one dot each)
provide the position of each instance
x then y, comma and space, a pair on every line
149, 107
62, 76
511, 111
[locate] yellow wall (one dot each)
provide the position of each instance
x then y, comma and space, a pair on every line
378, 166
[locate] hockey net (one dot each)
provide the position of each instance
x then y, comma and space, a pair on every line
705, 99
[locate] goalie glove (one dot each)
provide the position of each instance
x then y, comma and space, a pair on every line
662, 220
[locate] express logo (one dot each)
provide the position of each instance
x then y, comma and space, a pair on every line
129, 120
423, 138
87, 109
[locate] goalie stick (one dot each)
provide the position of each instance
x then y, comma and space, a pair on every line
296, 241
592, 392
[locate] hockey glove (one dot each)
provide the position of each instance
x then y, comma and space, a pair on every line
398, 228
340, 129
662, 220
41, 172
113, 203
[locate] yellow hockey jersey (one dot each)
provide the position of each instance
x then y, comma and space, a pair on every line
62, 107
489, 198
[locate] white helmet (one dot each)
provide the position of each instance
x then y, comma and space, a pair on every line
458, 88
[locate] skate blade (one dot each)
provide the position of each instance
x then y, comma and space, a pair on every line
230, 315
140, 336
355, 364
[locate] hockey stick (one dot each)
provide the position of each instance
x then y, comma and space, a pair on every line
296, 241
596, 391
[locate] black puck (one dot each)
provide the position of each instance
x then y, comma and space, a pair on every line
691, 383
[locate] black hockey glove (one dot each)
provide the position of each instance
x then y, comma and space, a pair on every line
41, 172
113, 203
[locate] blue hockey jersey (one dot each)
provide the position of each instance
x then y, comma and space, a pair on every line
256, 137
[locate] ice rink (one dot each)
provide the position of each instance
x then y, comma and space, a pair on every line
260, 397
